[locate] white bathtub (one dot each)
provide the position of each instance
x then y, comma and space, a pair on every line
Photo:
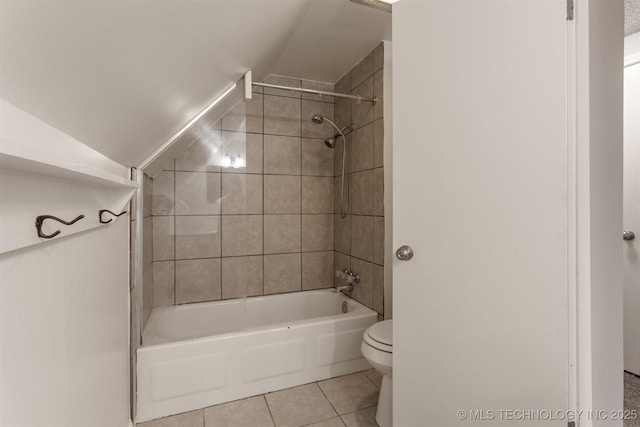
202, 354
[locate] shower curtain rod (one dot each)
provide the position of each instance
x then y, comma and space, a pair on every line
317, 92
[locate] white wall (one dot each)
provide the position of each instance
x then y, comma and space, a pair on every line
599, 56
64, 350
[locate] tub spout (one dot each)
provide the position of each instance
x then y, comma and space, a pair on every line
345, 288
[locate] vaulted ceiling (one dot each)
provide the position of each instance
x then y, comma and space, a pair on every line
124, 76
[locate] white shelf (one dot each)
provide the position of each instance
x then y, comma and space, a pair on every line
46, 172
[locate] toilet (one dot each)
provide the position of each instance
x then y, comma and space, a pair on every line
377, 348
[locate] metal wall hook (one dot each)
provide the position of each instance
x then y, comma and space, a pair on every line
40, 220
102, 211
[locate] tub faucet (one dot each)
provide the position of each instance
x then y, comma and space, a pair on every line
345, 288
348, 276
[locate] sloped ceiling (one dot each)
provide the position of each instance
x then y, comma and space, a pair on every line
124, 76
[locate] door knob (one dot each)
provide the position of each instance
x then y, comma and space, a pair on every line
628, 235
404, 253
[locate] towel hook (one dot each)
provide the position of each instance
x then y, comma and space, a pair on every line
102, 211
40, 220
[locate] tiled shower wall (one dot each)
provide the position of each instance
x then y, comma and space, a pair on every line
359, 238
221, 232
274, 225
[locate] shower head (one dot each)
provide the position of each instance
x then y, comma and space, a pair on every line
317, 118
330, 142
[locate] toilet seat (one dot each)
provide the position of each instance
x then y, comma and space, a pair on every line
380, 336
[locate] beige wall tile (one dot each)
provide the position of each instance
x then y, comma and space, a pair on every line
133, 237
342, 112
340, 262
317, 232
162, 200
282, 155
378, 192
198, 236
315, 130
362, 113
163, 238
337, 182
378, 240
317, 194
282, 194
187, 419
197, 193
362, 149
246, 145
378, 288
147, 242
317, 270
363, 291
147, 190
281, 234
147, 294
236, 119
246, 116
362, 237
325, 87
338, 153
299, 406
378, 143
202, 155
251, 412
241, 194
282, 116
242, 276
363, 70
282, 273
350, 392
241, 235
163, 286
342, 233
282, 81
317, 158
378, 57
378, 92
255, 114
134, 337
197, 280
361, 194
344, 85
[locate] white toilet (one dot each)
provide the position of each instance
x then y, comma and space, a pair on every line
377, 348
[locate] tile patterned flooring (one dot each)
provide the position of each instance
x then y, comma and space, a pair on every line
632, 398
348, 401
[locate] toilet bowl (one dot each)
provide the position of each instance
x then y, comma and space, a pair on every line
377, 348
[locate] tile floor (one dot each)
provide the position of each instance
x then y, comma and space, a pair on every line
348, 401
337, 402
632, 398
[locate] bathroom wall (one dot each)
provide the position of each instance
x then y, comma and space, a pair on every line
265, 227
147, 249
359, 238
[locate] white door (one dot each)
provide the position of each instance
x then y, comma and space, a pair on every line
631, 216
480, 194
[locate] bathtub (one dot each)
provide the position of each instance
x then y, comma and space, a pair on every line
202, 354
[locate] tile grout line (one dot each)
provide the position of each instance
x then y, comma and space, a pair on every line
263, 202
264, 396
317, 383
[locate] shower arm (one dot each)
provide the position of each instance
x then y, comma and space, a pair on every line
357, 98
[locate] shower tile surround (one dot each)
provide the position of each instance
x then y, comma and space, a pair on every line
359, 238
273, 226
